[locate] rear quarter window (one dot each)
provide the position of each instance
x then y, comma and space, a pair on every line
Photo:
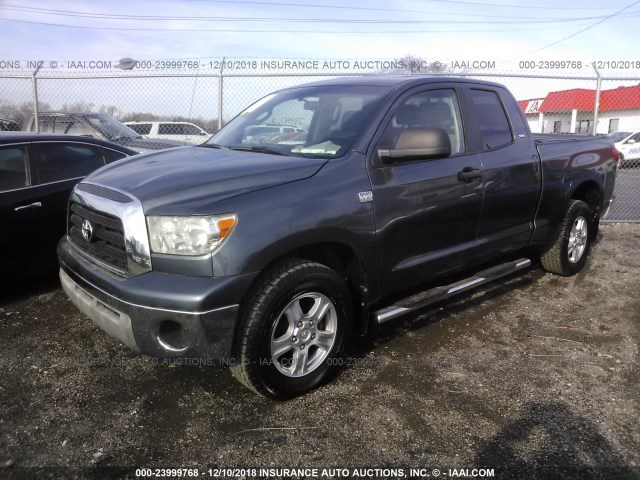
14, 168
113, 155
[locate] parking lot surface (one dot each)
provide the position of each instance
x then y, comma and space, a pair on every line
533, 377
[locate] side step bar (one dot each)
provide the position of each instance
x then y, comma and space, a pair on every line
437, 294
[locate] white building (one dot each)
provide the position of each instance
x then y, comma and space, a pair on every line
572, 111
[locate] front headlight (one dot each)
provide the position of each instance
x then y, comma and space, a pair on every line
189, 235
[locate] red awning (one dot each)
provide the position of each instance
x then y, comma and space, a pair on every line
567, 100
582, 99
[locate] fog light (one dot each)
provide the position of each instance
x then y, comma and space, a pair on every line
171, 335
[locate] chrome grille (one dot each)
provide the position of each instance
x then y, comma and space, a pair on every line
108, 242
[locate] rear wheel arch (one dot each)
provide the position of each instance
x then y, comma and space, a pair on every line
567, 255
590, 192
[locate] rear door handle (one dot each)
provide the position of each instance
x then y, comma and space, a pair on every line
469, 173
28, 207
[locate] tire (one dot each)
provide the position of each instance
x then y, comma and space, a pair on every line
282, 349
568, 254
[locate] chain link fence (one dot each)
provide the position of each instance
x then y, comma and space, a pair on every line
189, 105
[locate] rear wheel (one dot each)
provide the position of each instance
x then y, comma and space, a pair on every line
568, 254
296, 324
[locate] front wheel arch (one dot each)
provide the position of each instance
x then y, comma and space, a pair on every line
254, 362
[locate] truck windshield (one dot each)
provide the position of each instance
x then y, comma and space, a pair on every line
321, 121
110, 127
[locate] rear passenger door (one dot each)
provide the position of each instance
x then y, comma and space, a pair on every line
511, 172
19, 208
426, 213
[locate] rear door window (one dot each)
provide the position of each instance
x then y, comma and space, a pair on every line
63, 161
492, 119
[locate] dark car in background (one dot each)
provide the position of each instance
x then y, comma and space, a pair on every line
7, 125
97, 125
37, 173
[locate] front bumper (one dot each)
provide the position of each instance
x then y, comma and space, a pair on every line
157, 314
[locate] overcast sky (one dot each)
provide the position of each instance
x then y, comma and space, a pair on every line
443, 30
504, 32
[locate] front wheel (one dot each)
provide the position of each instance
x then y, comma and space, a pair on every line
568, 254
295, 326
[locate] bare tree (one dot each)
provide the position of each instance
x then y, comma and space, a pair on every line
139, 117
20, 113
110, 110
78, 107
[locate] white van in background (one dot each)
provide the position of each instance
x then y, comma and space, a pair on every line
180, 131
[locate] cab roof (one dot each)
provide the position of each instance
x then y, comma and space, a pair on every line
396, 80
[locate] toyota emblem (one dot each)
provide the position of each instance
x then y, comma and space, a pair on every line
87, 230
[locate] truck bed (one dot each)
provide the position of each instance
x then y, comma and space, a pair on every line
540, 138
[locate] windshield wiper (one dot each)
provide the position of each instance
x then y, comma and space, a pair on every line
258, 149
209, 145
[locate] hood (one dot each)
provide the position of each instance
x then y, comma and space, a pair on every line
188, 180
147, 144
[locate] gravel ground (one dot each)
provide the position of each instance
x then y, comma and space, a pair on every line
536, 377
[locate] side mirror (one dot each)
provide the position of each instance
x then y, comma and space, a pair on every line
416, 144
631, 141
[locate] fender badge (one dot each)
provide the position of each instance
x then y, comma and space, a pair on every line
365, 197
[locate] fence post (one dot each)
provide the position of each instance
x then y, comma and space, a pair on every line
596, 104
36, 112
220, 89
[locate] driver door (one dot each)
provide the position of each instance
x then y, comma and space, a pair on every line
427, 215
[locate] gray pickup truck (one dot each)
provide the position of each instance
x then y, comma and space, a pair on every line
270, 252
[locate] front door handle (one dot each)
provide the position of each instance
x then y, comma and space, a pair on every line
28, 207
469, 173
